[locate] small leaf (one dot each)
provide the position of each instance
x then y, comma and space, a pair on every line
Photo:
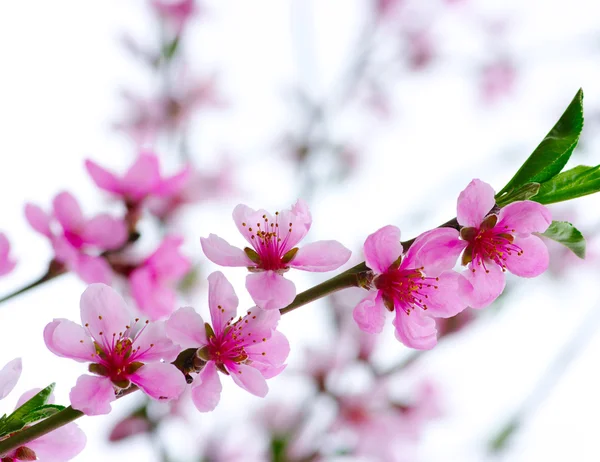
552, 154
522, 193
566, 234
170, 49
42, 412
16, 420
571, 184
500, 441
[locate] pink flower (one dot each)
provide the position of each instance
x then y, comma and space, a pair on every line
249, 349
274, 240
153, 283
177, 12
59, 445
78, 240
497, 80
7, 264
119, 356
496, 242
143, 179
417, 285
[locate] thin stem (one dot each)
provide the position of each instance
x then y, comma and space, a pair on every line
55, 269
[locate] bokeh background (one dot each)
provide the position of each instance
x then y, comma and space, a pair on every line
373, 111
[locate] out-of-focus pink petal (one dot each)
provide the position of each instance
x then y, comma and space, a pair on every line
174, 184
142, 177
487, 286
436, 251
92, 395
103, 178
369, 314
67, 339
246, 220
92, 269
64, 251
60, 445
533, 261
67, 212
161, 381
248, 378
382, 248
525, 217
321, 256
38, 219
415, 330
206, 390
6, 263
105, 232
446, 298
270, 290
222, 301
9, 376
154, 299
167, 262
474, 203
185, 327
103, 310
154, 342
222, 253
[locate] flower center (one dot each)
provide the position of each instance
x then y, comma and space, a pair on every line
405, 288
271, 245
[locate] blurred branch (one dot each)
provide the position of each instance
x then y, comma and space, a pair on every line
55, 269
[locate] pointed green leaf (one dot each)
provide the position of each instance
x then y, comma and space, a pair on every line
170, 49
566, 234
42, 412
502, 438
552, 154
571, 184
522, 193
16, 420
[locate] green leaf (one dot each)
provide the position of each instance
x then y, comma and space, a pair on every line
42, 412
552, 154
576, 182
17, 419
500, 441
170, 49
566, 234
523, 193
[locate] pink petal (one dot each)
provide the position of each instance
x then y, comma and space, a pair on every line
382, 248
447, 299
64, 251
415, 330
38, 219
222, 253
167, 262
487, 286
154, 345
185, 327
92, 395
206, 390
143, 177
174, 184
369, 314
321, 256
161, 381
92, 269
222, 301
534, 260
300, 219
103, 178
67, 212
270, 290
474, 203
6, 263
9, 376
105, 232
436, 251
246, 220
154, 299
248, 378
60, 445
67, 339
258, 324
103, 310
525, 217
276, 350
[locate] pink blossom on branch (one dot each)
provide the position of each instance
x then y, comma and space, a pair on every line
249, 349
7, 264
419, 286
177, 12
121, 353
497, 242
78, 240
143, 179
59, 445
274, 252
153, 283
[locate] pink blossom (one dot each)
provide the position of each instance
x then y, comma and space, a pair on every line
7, 264
143, 179
78, 240
119, 356
153, 282
177, 12
274, 240
249, 349
418, 286
496, 242
59, 445
497, 80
